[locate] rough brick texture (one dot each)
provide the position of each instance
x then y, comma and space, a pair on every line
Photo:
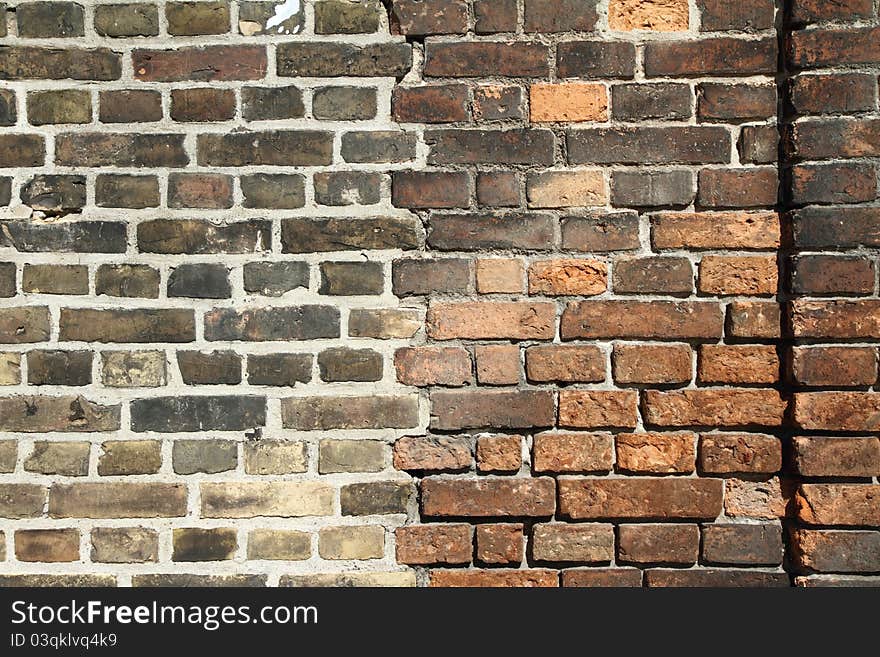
447, 293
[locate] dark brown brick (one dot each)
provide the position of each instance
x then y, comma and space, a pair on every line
269, 103
43, 20
199, 237
315, 235
275, 323
202, 413
719, 56
55, 279
275, 148
205, 64
93, 149
430, 189
834, 366
742, 545
202, 104
617, 231
838, 93
735, 102
127, 20
279, 369
121, 191
127, 281
209, 368
834, 47
59, 368
653, 275
474, 59
378, 146
342, 17
596, 59
717, 15
648, 145
833, 183
430, 104
516, 146
423, 276
344, 103
560, 16
22, 151
529, 232
488, 497
59, 106
34, 63
423, 17
660, 101
498, 189
641, 319
475, 410
827, 274
326, 59
128, 325
738, 188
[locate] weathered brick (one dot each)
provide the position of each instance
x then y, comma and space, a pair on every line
133, 369
250, 499
275, 457
568, 277
815, 456
197, 544
351, 278
139, 281
344, 364
127, 325
42, 20
342, 17
753, 319
596, 59
572, 452
35, 63
202, 413
25, 324
498, 103
70, 413
212, 367
432, 453
658, 544
738, 188
10, 375
529, 146
730, 407
130, 106
355, 542
422, 276
194, 18
268, 103
720, 453
469, 59
430, 189
738, 275
838, 93
495, 16
202, 105
618, 231
375, 498
586, 542
22, 500
815, 11
47, 545
428, 366
188, 580
488, 497
834, 366
494, 578
94, 149
837, 411
199, 281
127, 20
314, 235
661, 101
656, 453
344, 103
278, 544
743, 544
716, 15
479, 409
652, 188
268, 324
834, 138
430, 104
208, 456
837, 551
352, 579
378, 146
715, 230
499, 453
596, 577
500, 543
654, 275
8, 109
595, 409
273, 148
491, 320
130, 457
258, 18
69, 459
376, 412
649, 145
433, 544
124, 545
59, 106
765, 500
838, 319
558, 189
758, 144
422, 17
642, 498
737, 364
350, 456
21, 150
728, 103
202, 64
838, 504
383, 324
829, 274
559, 16
327, 59
843, 182
718, 56
339, 188
55, 279
122, 191
565, 363
715, 578
59, 368
653, 15
641, 319
117, 500
472, 232
499, 275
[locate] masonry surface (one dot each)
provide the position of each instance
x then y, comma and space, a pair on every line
439, 292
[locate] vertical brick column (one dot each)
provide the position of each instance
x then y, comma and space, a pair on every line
833, 146
601, 341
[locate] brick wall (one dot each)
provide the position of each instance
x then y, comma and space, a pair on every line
447, 292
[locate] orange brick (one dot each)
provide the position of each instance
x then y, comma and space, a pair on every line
568, 277
734, 275
499, 275
499, 453
738, 364
569, 102
653, 15
497, 364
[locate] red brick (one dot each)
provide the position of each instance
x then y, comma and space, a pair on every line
828, 456
432, 453
838, 182
726, 453
572, 452
836, 551
715, 578
753, 319
818, 11
497, 364
645, 363
743, 544
835, 138
491, 320
836, 319
209, 63
429, 366
659, 544
839, 504
500, 543
656, 453
430, 104
498, 189
212, 191
499, 453
841, 367
739, 275
737, 364
718, 15
715, 230
568, 277
642, 498
485, 59
488, 497
494, 578
720, 56
500, 409
766, 500
641, 319
433, 544
430, 189
565, 363
594, 409
838, 93
837, 411
596, 577
731, 102
728, 407
754, 187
